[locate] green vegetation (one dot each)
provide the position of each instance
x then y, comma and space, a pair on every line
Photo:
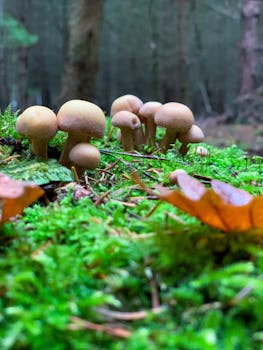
76, 256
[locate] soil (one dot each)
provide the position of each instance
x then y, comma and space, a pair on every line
219, 132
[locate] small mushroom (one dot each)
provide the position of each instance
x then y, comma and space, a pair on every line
146, 115
202, 151
39, 124
84, 156
173, 176
129, 125
193, 135
129, 103
176, 118
82, 120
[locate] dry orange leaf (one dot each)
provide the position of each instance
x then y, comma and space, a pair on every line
223, 206
16, 195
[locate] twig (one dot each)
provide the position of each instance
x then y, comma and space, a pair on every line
136, 155
78, 323
100, 199
109, 135
41, 249
126, 204
152, 210
128, 316
6, 160
75, 175
175, 218
154, 293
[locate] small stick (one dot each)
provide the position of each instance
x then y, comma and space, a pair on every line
138, 155
100, 199
109, 135
78, 323
75, 175
127, 316
6, 160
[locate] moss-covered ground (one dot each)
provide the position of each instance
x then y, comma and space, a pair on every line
103, 265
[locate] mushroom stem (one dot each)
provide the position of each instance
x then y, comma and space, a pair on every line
39, 147
139, 137
127, 139
150, 132
72, 140
184, 148
168, 139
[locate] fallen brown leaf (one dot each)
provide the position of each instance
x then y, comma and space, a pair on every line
223, 206
16, 195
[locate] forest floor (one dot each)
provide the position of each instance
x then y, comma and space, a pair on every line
220, 133
101, 263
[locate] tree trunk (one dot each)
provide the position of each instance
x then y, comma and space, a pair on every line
249, 44
82, 66
181, 73
3, 88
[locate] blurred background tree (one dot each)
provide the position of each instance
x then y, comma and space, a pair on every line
204, 53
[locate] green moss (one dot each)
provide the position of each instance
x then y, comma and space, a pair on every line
70, 257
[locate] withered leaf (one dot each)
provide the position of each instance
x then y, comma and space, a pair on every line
223, 206
16, 195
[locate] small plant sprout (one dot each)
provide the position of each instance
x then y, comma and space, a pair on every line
82, 120
130, 126
175, 118
84, 156
39, 125
193, 135
146, 115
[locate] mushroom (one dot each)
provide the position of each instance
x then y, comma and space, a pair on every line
129, 103
84, 156
146, 115
173, 176
129, 125
193, 135
202, 151
39, 124
176, 118
82, 120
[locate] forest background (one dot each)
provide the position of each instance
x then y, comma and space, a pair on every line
204, 53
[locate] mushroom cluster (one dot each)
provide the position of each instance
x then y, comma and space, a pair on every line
82, 120
138, 121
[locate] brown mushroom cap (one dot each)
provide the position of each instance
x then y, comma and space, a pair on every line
146, 114
79, 116
193, 135
130, 126
84, 156
173, 115
148, 109
125, 119
37, 122
129, 103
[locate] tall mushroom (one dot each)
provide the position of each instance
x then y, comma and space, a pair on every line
130, 103
129, 125
39, 124
175, 118
82, 120
146, 114
84, 156
193, 135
